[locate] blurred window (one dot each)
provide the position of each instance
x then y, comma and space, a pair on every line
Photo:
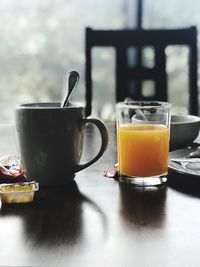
41, 41
174, 14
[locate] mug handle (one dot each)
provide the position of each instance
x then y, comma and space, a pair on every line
104, 142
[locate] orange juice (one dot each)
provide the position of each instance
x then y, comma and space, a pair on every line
143, 149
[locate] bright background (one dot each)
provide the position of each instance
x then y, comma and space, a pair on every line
40, 41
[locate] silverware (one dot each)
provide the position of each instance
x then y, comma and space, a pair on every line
73, 78
195, 153
191, 165
186, 160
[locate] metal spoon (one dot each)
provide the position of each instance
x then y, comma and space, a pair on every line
195, 153
73, 78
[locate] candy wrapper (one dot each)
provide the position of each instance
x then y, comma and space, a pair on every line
112, 173
11, 170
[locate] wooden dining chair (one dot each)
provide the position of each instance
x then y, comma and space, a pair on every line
158, 39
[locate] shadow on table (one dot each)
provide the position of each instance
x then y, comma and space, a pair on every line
187, 184
55, 216
143, 206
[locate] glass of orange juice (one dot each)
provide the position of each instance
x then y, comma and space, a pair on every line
143, 132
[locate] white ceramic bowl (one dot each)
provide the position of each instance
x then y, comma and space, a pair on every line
184, 130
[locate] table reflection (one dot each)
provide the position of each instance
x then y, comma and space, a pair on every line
59, 211
187, 184
143, 206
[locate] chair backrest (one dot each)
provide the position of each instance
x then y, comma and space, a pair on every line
158, 39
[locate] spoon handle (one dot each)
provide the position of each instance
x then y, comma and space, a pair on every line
187, 160
73, 78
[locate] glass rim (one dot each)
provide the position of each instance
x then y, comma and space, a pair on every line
143, 104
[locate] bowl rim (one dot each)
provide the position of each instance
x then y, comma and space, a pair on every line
190, 119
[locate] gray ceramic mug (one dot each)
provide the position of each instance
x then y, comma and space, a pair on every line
51, 141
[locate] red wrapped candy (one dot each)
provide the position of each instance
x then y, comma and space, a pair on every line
11, 170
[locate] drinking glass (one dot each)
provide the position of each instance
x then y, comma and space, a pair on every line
143, 132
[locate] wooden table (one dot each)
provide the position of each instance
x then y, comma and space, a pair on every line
98, 222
